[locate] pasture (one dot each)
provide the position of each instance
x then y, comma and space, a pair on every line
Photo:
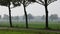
23, 31
21, 28
41, 25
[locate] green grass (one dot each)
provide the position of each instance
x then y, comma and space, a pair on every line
27, 32
53, 25
17, 32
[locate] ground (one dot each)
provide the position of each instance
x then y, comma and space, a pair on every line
5, 30
34, 28
38, 25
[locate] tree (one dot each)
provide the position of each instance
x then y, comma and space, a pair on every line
0, 16
16, 18
7, 3
30, 17
25, 3
54, 17
45, 3
6, 17
43, 17
15, 3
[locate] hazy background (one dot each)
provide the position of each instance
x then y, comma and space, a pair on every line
35, 9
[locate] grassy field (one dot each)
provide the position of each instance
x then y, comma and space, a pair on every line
27, 32
53, 25
17, 32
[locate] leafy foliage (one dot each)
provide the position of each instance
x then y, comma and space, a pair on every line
42, 2
4, 2
16, 3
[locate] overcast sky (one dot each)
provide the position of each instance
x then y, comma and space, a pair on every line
35, 9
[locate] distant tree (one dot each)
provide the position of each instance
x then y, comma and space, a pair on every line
17, 18
30, 16
6, 17
0, 16
54, 17
45, 3
43, 17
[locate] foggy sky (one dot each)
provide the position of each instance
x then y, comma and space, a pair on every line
35, 9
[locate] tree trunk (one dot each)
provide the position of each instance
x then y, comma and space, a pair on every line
10, 16
46, 17
25, 16
46, 9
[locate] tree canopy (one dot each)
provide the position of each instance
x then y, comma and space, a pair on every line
9, 2
42, 2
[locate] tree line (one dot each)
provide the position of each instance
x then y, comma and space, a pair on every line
52, 17
25, 3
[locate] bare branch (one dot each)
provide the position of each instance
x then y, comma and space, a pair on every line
51, 1
39, 3
13, 7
